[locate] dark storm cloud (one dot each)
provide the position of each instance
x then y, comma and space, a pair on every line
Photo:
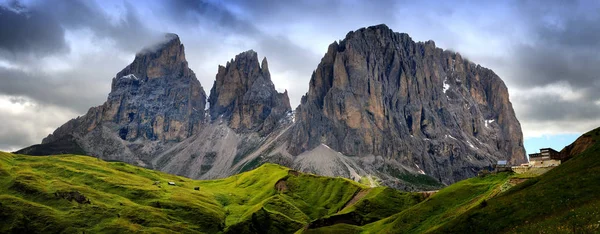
544, 64
563, 49
564, 43
39, 28
196, 13
307, 10
24, 31
129, 32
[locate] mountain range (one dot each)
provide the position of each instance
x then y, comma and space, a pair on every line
380, 108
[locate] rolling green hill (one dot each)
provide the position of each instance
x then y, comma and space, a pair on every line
438, 209
71, 194
75, 194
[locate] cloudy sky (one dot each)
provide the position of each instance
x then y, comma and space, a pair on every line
57, 58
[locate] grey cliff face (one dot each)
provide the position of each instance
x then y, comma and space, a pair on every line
156, 97
379, 93
244, 95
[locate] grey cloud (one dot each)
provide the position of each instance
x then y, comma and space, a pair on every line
70, 92
563, 46
542, 64
29, 126
205, 13
289, 56
78, 89
553, 108
30, 32
573, 32
13, 137
560, 46
266, 10
130, 33
39, 28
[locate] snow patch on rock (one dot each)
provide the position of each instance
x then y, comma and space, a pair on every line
446, 85
471, 145
420, 170
130, 76
488, 122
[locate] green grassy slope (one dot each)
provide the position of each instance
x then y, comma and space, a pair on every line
75, 194
83, 194
35, 194
376, 204
563, 200
438, 209
442, 206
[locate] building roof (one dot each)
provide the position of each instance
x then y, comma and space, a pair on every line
550, 149
542, 150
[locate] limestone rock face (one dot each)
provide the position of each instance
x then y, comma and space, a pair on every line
379, 93
244, 95
156, 97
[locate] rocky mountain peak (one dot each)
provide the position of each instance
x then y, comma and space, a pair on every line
167, 41
244, 95
156, 97
264, 65
166, 58
379, 93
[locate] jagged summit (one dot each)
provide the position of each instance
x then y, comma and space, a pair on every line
264, 65
165, 59
382, 33
248, 56
244, 95
167, 40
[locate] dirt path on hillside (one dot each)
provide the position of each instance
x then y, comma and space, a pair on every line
427, 194
357, 197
